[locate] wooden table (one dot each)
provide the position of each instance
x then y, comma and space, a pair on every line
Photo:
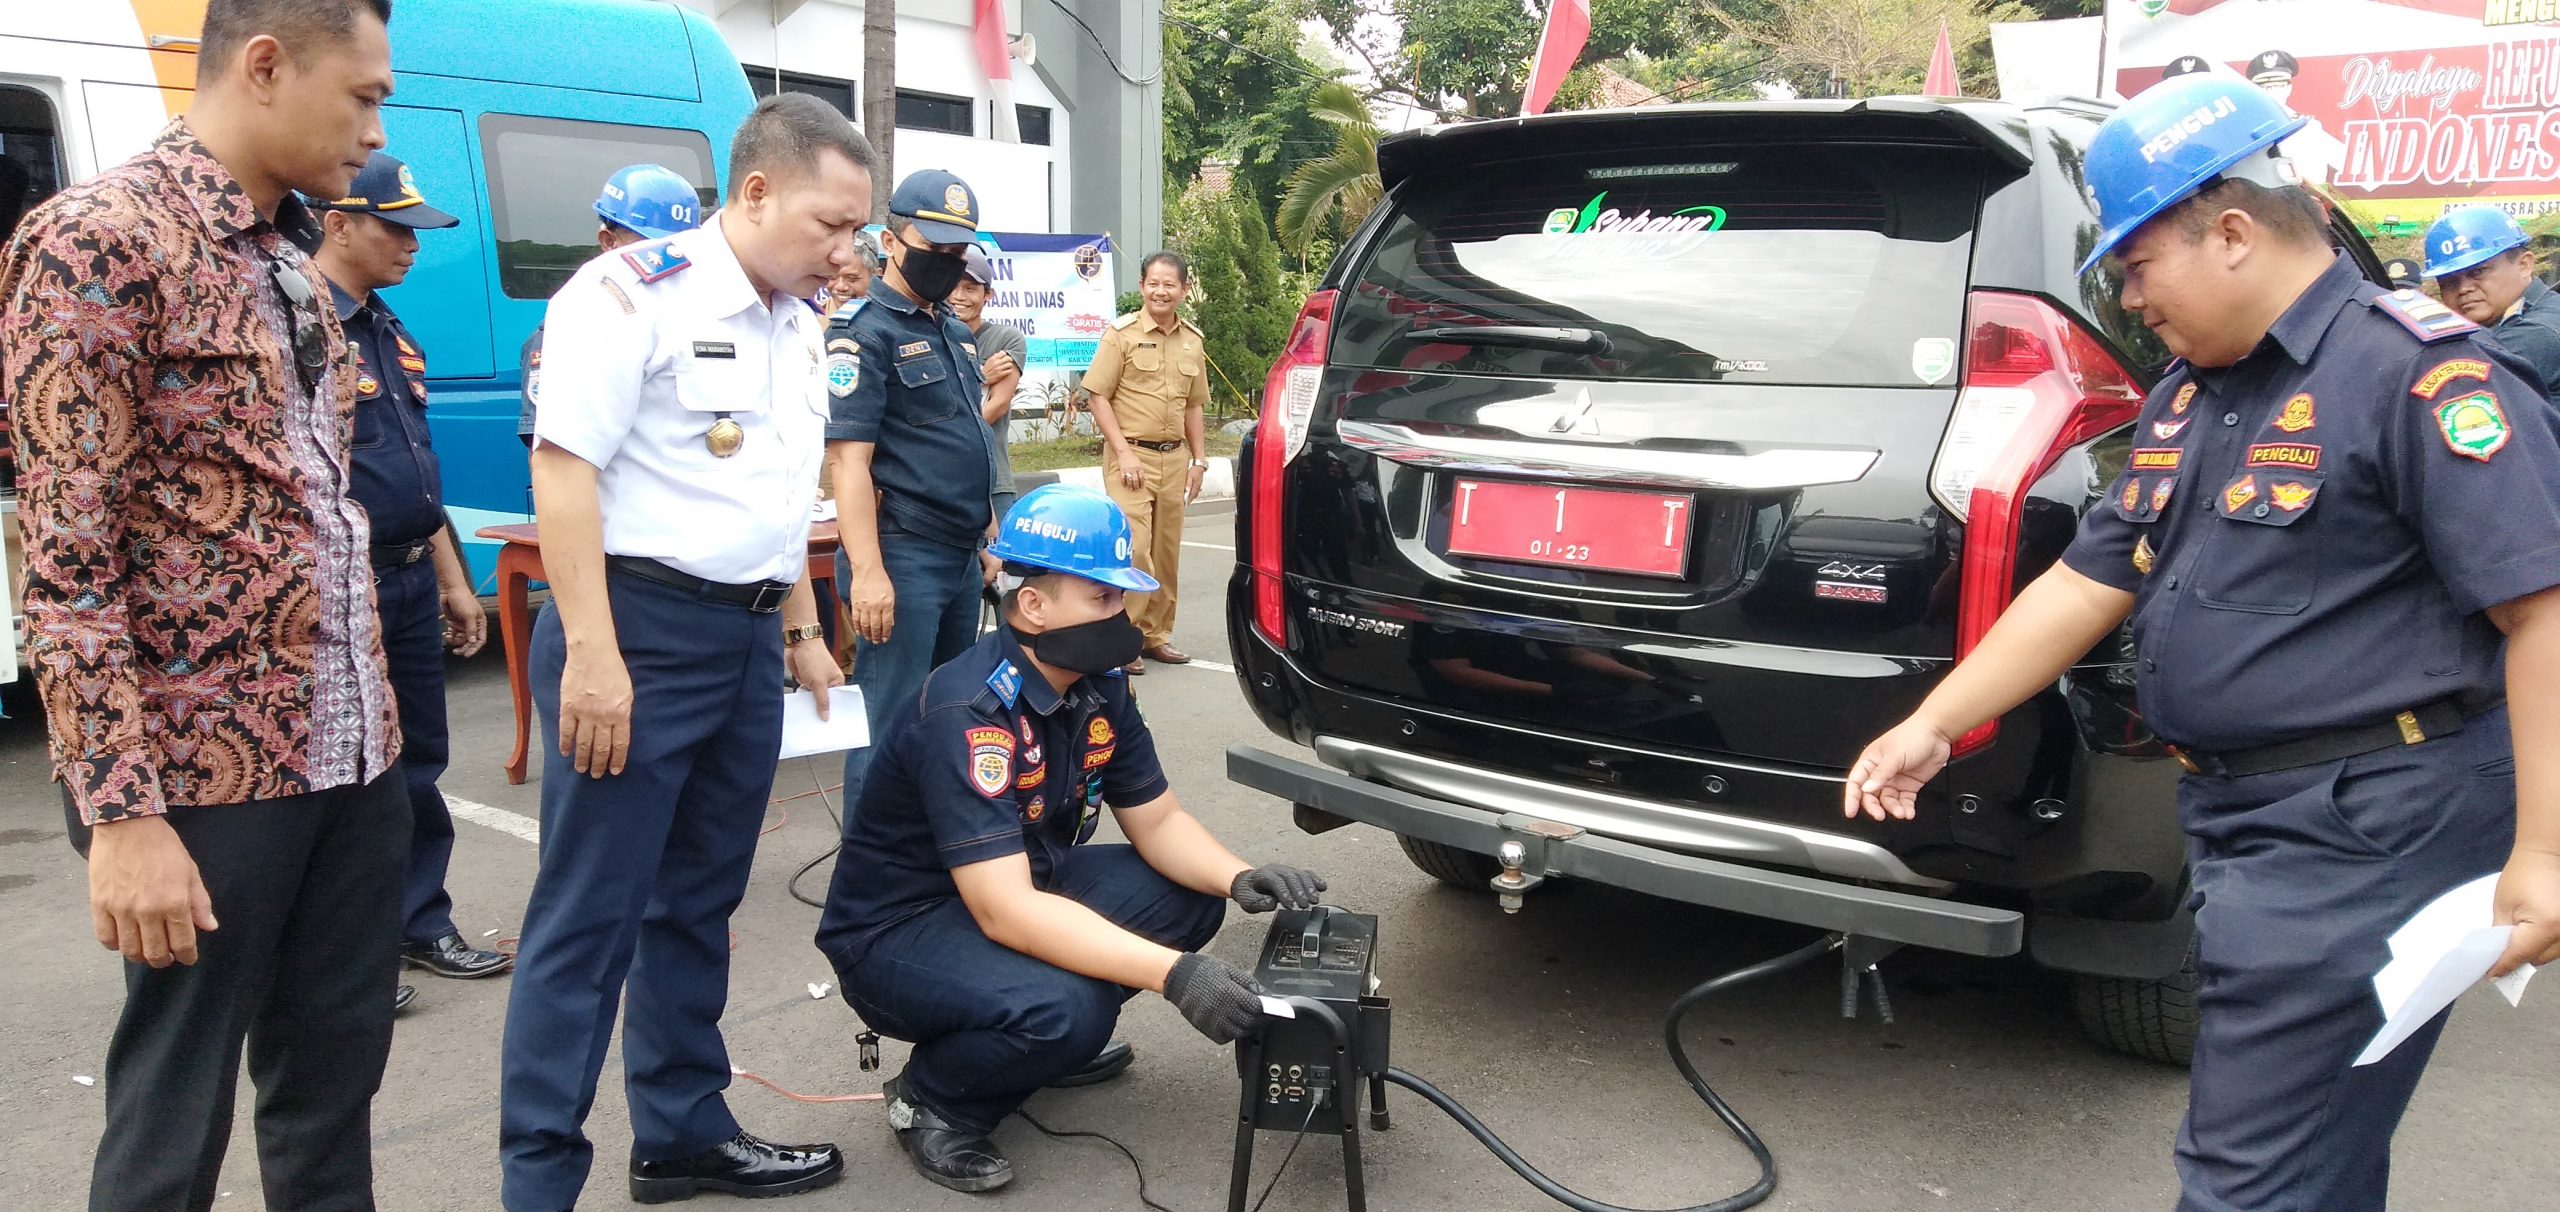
520, 565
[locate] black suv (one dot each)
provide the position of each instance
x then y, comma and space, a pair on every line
1630, 470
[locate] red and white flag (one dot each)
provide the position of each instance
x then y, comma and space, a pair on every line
1942, 68
1559, 45
999, 68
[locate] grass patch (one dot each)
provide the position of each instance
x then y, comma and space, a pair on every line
1060, 453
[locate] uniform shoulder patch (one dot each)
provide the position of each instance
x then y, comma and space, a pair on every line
654, 261
990, 760
2473, 425
2426, 319
1006, 681
2433, 382
1195, 329
1125, 321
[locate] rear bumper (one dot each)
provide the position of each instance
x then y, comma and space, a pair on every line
1562, 850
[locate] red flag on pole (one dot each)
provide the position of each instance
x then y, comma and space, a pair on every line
1559, 44
1942, 68
999, 67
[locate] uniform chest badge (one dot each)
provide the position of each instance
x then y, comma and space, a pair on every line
367, 385
2132, 494
1033, 811
2186, 397
990, 760
2160, 493
2473, 426
2289, 496
2166, 430
1098, 733
724, 438
2158, 458
2241, 492
2297, 415
2142, 555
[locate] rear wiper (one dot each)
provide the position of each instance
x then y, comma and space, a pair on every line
1531, 336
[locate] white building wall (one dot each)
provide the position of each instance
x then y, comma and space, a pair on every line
1021, 187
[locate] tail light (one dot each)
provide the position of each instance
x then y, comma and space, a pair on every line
1288, 403
2035, 385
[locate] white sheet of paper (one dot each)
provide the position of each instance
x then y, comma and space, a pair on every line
2441, 952
1276, 1008
846, 727
824, 510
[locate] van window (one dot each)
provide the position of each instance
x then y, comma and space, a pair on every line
544, 174
1836, 265
30, 154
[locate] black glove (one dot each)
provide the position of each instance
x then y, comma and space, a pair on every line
1216, 996
1277, 886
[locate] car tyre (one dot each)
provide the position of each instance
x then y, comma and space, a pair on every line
1450, 865
2151, 1019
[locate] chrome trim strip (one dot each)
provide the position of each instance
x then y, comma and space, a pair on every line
1689, 470
1679, 828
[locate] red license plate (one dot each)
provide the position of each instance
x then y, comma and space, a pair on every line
1645, 533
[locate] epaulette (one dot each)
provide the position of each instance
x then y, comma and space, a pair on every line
2426, 319
654, 261
1127, 320
1195, 329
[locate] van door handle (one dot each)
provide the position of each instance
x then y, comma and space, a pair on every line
1766, 470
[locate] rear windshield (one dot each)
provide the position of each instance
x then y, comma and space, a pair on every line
1828, 264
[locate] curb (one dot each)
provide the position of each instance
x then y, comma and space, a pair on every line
1216, 487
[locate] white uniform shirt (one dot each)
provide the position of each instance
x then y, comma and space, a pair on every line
642, 356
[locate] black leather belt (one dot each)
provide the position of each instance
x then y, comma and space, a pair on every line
762, 597
1161, 447
400, 555
2444, 717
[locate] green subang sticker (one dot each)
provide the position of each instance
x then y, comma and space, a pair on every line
1596, 216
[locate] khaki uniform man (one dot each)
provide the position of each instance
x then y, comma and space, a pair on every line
1149, 381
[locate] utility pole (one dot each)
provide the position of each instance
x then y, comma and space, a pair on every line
880, 97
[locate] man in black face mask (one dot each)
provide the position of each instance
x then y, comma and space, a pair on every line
911, 458
969, 916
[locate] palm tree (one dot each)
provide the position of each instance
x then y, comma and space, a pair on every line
1344, 180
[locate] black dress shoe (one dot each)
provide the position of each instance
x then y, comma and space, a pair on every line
946, 1156
450, 956
1109, 1063
742, 1165
400, 1001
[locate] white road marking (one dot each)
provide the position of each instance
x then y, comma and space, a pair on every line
515, 824
1213, 666
1210, 546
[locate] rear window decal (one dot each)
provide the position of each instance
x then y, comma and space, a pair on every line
1566, 221
1932, 358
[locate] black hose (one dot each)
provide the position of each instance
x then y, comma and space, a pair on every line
1557, 1191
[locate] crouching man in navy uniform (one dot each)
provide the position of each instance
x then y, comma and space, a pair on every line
682, 422
969, 915
2339, 550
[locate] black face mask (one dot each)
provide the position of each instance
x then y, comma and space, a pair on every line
931, 275
1089, 648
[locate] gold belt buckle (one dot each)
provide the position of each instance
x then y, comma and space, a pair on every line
2186, 762
2410, 733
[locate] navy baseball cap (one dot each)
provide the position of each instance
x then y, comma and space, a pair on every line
942, 206
386, 191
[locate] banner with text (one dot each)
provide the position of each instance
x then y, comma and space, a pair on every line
1057, 290
2415, 105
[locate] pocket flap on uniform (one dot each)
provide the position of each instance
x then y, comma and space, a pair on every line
1149, 358
2266, 498
721, 385
918, 372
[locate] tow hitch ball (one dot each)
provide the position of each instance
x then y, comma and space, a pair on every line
1513, 883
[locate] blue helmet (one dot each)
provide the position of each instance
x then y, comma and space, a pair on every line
1077, 531
2468, 235
2175, 138
650, 199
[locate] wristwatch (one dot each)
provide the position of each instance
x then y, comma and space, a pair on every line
794, 635
1199, 462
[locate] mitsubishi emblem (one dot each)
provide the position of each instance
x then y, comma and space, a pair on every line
1577, 421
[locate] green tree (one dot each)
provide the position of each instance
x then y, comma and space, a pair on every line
1332, 193
1473, 55
1869, 47
1240, 82
1244, 297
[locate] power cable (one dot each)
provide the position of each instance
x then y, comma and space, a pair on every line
1134, 1165
1105, 51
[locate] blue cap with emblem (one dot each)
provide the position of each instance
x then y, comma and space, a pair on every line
2175, 138
2468, 235
942, 206
1074, 530
387, 191
651, 199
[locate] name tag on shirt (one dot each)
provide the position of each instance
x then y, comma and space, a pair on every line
914, 349
714, 349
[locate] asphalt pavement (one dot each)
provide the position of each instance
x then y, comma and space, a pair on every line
1982, 1095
